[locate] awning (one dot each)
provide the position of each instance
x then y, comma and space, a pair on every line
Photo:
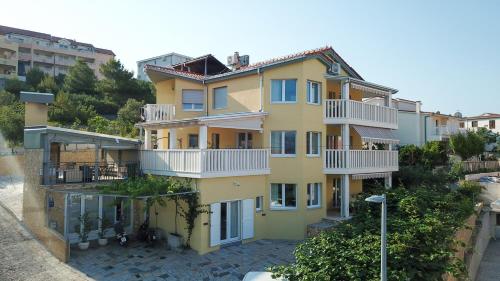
370, 176
376, 135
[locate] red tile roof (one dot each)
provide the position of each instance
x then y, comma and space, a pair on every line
485, 116
322, 52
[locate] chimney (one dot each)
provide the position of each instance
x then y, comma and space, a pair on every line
36, 108
236, 61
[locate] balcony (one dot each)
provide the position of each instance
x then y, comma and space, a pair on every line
359, 113
205, 163
9, 61
158, 112
439, 133
360, 161
87, 172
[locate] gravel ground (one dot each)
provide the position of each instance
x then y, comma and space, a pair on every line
24, 258
11, 194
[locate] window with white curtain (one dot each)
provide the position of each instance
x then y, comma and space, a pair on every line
283, 196
313, 92
313, 143
220, 98
283, 143
313, 195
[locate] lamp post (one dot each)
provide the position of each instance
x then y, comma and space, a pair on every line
380, 199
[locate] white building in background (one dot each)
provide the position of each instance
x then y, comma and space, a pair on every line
419, 127
163, 60
490, 121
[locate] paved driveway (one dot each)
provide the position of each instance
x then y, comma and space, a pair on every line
139, 263
489, 269
24, 258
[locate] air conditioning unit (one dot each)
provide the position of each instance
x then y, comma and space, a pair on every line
335, 68
230, 60
244, 60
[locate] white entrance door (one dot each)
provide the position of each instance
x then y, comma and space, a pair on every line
230, 222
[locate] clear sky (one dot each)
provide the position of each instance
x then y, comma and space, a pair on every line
444, 53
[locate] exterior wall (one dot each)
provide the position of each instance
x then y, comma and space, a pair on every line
35, 114
165, 60
355, 187
243, 95
407, 130
170, 92
483, 123
34, 207
10, 165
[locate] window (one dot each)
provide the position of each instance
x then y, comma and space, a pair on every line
492, 124
192, 100
283, 143
283, 196
220, 98
284, 91
259, 200
313, 143
462, 125
313, 195
193, 141
313, 92
474, 124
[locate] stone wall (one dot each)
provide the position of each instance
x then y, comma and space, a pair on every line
34, 207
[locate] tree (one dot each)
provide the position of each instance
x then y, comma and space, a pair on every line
128, 116
80, 79
15, 86
434, 154
98, 124
34, 76
7, 98
12, 123
410, 155
467, 145
48, 85
120, 84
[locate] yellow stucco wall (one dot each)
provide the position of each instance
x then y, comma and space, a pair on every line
35, 114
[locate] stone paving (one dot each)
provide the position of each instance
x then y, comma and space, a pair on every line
22, 257
11, 194
137, 262
489, 269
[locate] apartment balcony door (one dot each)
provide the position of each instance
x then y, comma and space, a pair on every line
244, 141
231, 221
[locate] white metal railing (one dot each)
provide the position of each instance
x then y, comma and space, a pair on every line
158, 112
205, 161
445, 130
361, 159
356, 110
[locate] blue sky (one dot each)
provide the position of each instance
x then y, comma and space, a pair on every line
444, 53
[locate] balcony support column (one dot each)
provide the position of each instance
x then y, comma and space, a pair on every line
388, 182
172, 139
147, 139
203, 137
344, 206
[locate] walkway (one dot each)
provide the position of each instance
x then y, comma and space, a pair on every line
489, 269
139, 263
24, 258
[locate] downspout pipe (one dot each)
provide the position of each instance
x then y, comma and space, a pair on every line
261, 109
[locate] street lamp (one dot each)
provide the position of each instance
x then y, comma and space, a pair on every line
380, 199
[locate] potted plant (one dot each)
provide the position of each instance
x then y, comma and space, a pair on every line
83, 230
105, 224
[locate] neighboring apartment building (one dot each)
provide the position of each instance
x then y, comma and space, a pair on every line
163, 60
53, 55
272, 147
490, 121
419, 127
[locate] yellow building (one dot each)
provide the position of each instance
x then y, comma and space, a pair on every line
272, 147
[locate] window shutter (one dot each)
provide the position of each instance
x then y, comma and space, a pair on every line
248, 219
214, 224
192, 96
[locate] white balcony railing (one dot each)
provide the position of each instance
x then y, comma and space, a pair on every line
158, 112
445, 130
360, 161
203, 163
360, 113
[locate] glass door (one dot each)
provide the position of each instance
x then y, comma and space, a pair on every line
230, 221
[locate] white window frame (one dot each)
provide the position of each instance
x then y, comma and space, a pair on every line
283, 90
213, 98
192, 104
309, 148
283, 154
309, 92
313, 190
259, 201
283, 196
